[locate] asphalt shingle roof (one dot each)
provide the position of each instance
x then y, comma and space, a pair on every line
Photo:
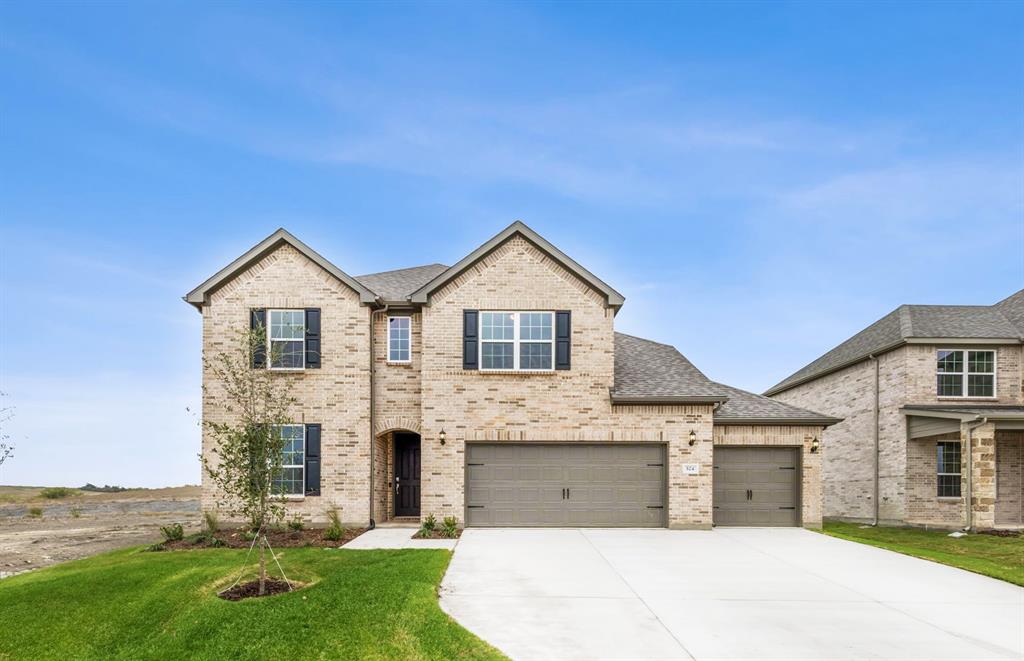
398, 285
647, 370
1004, 320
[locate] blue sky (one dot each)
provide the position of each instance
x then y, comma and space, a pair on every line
759, 180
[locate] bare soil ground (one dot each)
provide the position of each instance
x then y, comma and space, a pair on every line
86, 523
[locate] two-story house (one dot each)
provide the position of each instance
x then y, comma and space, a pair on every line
497, 391
931, 397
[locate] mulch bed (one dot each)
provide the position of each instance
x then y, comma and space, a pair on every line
252, 589
279, 539
436, 534
1001, 533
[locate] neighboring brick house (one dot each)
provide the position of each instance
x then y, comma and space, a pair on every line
931, 397
497, 391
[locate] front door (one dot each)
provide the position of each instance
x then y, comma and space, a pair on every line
407, 474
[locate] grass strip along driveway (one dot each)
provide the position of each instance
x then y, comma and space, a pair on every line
133, 604
998, 557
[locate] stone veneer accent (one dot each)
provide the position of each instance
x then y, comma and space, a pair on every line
788, 436
335, 396
906, 376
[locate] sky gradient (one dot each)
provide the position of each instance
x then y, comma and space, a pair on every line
760, 181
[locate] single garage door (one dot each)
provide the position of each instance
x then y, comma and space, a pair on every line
756, 486
580, 484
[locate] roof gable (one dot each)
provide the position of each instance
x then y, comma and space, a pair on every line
201, 294
613, 299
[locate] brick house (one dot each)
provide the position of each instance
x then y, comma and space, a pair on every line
931, 397
497, 391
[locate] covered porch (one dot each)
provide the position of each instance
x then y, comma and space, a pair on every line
976, 466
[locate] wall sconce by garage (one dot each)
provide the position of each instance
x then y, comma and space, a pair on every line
442, 437
814, 445
693, 437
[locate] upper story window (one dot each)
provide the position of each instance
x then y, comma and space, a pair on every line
292, 478
963, 373
399, 339
516, 340
287, 337
948, 469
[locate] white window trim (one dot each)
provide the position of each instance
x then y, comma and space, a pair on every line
963, 390
387, 329
271, 340
939, 474
515, 342
302, 494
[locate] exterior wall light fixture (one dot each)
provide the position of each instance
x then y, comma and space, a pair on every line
693, 437
814, 445
442, 436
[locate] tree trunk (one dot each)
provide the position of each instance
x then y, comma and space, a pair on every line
263, 564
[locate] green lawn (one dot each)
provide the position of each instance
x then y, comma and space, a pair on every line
998, 557
132, 604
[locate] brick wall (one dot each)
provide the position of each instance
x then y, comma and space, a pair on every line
570, 406
924, 507
335, 396
1009, 478
790, 436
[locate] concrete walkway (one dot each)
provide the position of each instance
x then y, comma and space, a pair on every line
397, 538
751, 593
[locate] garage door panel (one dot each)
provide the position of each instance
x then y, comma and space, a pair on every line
608, 485
756, 486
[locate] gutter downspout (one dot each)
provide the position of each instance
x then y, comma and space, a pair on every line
373, 410
874, 411
977, 422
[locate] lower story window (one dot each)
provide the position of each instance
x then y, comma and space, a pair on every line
949, 469
292, 479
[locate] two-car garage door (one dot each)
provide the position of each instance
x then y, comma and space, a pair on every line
579, 484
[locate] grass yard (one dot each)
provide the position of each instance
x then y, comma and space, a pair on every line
132, 604
998, 557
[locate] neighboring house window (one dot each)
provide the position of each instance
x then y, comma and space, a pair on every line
516, 340
949, 469
966, 373
399, 339
287, 339
292, 479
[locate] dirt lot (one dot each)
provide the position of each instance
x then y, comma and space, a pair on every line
86, 523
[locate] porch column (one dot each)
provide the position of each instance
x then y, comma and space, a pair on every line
983, 474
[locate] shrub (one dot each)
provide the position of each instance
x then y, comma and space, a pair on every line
429, 524
35, 512
173, 532
76, 512
335, 531
450, 528
296, 524
54, 493
249, 535
210, 521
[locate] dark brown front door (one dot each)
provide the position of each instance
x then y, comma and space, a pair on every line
407, 474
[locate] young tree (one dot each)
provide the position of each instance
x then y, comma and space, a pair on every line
6, 446
247, 448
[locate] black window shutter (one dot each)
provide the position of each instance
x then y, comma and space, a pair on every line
313, 337
258, 320
563, 339
312, 460
470, 339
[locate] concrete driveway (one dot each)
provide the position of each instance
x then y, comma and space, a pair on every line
752, 593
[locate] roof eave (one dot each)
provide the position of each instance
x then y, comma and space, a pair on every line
422, 295
682, 399
788, 422
201, 294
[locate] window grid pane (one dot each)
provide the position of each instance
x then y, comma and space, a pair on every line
950, 361
290, 481
981, 362
535, 356
287, 354
950, 385
399, 342
980, 385
497, 326
535, 326
497, 356
948, 469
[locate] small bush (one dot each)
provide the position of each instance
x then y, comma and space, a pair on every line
35, 512
450, 528
296, 524
173, 532
249, 535
76, 512
55, 493
429, 524
335, 531
210, 521
156, 547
